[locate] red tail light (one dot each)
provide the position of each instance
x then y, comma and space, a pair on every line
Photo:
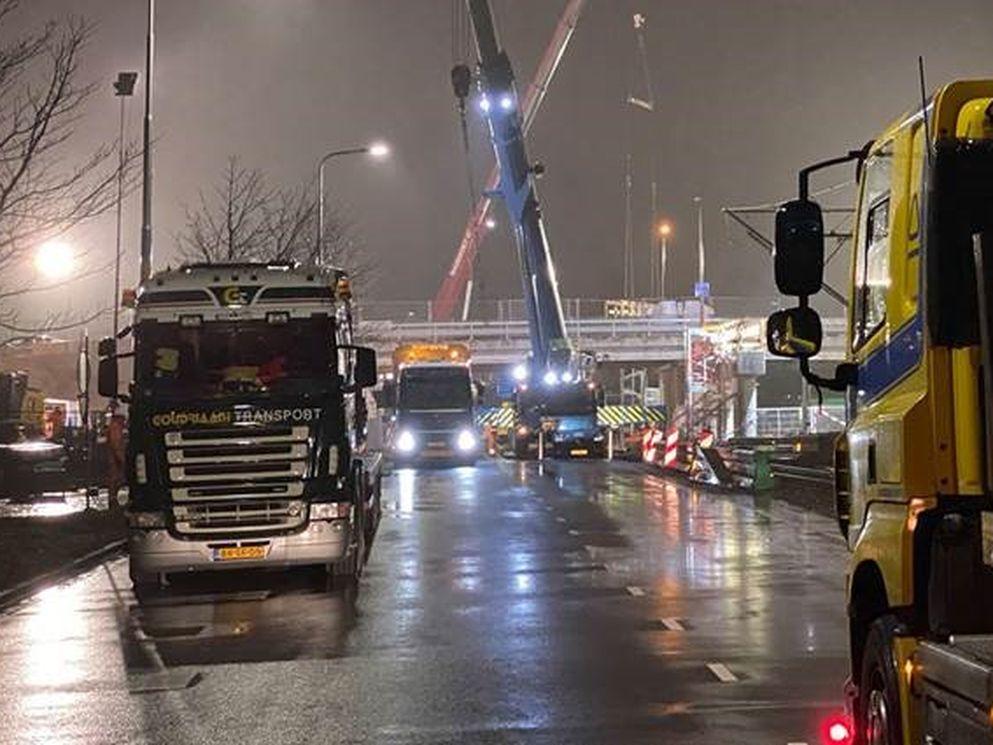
838, 730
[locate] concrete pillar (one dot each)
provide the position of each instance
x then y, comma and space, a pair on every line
746, 406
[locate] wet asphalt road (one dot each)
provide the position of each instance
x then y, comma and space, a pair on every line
583, 604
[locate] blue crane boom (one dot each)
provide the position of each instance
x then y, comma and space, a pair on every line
550, 347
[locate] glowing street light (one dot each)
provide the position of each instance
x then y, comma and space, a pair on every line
379, 150
665, 229
54, 260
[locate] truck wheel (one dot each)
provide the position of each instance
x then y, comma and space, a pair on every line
376, 512
348, 570
878, 721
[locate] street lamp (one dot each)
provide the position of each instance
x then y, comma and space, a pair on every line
377, 150
145, 270
54, 260
664, 231
123, 88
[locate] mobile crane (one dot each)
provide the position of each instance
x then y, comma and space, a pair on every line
914, 468
556, 376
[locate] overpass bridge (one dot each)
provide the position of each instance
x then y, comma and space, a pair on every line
658, 337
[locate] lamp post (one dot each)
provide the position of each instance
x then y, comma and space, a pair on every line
123, 88
664, 231
146, 165
376, 150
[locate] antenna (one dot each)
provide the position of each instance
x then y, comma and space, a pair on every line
927, 126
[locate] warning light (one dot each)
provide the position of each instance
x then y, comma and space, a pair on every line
838, 730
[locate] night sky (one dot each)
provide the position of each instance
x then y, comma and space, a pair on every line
748, 92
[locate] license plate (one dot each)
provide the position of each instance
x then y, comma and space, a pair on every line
437, 444
579, 451
239, 553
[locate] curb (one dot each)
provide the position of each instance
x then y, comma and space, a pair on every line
23, 590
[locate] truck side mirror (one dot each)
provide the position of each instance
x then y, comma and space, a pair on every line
366, 374
795, 333
107, 381
799, 258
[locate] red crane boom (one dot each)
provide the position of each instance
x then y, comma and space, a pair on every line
458, 276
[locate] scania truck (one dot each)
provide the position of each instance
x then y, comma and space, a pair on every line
914, 469
246, 422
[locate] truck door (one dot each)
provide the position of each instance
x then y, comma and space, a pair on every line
886, 330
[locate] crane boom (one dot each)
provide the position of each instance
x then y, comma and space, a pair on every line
550, 347
458, 275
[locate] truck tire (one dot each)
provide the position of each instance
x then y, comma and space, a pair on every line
878, 715
376, 513
349, 569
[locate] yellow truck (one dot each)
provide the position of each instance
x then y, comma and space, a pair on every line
914, 468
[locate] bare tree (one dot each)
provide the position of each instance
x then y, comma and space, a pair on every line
46, 186
244, 218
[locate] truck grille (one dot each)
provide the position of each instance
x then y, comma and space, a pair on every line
244, 480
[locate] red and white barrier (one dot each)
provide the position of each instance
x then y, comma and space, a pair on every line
671, 448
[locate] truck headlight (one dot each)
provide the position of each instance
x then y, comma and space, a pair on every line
406, 442
466, 441
329, 510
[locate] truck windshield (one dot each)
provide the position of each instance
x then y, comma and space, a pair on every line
435, 389
224, 357
564, 400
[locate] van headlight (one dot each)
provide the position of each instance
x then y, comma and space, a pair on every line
466, 441
406, 442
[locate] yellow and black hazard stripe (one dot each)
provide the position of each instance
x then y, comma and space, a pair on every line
500, 417
619, 416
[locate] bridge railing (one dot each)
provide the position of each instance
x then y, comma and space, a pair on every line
512, 309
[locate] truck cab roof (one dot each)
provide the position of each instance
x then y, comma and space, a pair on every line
242, 290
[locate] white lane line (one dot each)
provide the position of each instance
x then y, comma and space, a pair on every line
673, 624
560, 519
635, 591
573, 532
721, 672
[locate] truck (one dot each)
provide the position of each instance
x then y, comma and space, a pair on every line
555, 375
247, 424
434, 420
914, 467
29, 463
565, 417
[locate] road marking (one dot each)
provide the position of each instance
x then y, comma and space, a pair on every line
635, 591
573, 532
721, 672
560, 519
673, 624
